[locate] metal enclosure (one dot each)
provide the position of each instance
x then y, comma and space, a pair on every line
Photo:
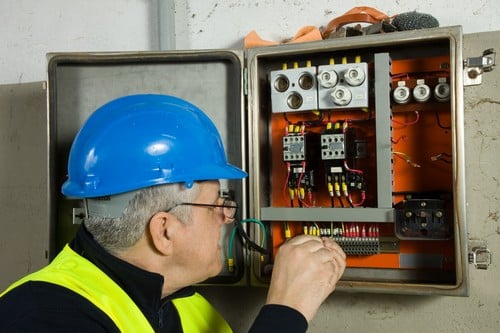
412, 196
401, 258
78, 83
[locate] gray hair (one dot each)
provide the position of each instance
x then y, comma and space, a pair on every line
117, 234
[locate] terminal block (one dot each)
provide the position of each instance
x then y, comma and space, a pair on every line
359, 246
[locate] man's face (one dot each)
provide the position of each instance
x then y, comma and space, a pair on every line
199, 250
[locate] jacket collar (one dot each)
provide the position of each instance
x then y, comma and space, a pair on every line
142, 286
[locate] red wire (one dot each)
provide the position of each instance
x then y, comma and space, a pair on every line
351, 170
403, 137
410, 123
357, 204
286, 182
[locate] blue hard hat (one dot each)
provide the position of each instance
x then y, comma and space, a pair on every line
138, 141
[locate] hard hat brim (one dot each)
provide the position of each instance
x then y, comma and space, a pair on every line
213, 172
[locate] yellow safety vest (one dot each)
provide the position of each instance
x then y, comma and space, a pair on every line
76, 273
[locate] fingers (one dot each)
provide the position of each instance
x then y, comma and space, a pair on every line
299, 261
323, 250
327, 247
300, 239
338, 256
329, 243
307, 243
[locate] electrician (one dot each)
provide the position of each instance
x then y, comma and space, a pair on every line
147, 168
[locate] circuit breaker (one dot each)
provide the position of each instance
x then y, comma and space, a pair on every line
359, 139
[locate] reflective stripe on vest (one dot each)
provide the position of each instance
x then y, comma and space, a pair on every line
198, 315
76, 273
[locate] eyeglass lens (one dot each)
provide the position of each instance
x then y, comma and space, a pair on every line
229, 208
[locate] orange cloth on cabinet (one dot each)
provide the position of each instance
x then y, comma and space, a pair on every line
305, 34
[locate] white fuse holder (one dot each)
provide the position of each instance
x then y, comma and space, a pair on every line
421, 92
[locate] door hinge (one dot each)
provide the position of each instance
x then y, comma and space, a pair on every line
245, 81
474, 67
479, 254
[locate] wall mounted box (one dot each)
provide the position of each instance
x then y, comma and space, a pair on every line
413, 156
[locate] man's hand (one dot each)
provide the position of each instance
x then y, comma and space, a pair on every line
305, 272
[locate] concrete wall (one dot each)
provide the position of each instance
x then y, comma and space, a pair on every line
31, 28
223, 24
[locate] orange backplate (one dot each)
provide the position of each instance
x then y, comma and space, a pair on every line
422, 148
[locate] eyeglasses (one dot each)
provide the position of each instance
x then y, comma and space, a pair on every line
229, 207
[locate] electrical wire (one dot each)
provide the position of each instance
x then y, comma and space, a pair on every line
288, 168
238, 228
288, 233
361, 202
407, 158
299, 194
402, 137
341, 202
439, 122
443, 157
316, 122
417, 114
352, 170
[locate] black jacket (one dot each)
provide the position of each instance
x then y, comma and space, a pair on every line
45, 307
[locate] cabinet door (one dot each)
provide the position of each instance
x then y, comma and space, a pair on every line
80, 83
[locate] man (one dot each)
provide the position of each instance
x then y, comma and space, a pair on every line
148, 170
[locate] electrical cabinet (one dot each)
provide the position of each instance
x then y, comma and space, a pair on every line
359, 139
363, 142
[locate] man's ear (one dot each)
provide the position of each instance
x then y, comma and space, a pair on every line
161, 228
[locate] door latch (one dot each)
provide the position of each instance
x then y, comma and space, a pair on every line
474, 67
479, 254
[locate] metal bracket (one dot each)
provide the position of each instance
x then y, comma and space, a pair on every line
78, 215
474, 67
479, 255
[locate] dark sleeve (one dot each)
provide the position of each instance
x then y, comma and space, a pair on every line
44, 307
279, 318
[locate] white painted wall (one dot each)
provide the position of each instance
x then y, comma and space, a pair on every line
31, 28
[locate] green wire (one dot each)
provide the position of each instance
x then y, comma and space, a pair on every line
233, 234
